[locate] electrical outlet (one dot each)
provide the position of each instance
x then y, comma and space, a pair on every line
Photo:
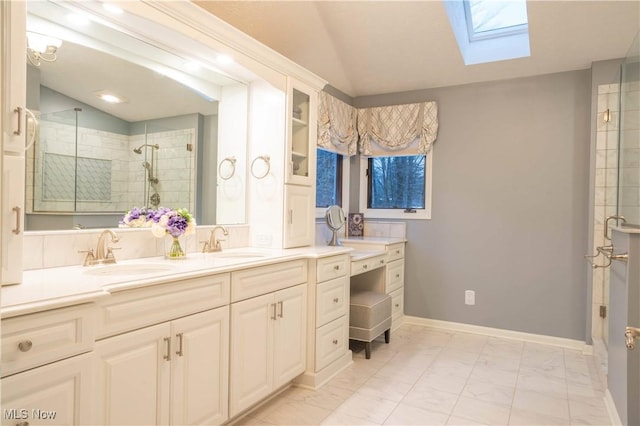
469, 297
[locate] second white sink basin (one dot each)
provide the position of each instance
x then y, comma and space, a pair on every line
128, 269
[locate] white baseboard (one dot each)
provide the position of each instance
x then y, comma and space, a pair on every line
614, 417
498, 332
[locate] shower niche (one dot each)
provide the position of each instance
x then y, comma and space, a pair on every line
85, 161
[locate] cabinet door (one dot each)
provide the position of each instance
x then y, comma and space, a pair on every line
299, 221
200, 368
14, 76
59, 393
133, 377
290, 334
251, 360
302, 107
12, 218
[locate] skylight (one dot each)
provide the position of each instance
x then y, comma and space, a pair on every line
495, 18
489, 30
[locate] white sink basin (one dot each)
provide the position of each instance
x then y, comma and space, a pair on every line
128, 269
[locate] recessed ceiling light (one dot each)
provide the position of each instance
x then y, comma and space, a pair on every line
110, 97
225, 59
112, 8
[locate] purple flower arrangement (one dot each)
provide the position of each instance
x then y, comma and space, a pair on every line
163, 221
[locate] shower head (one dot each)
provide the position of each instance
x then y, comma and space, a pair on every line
138, 150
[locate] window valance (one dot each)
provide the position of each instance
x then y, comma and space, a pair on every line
409, 129
337, 128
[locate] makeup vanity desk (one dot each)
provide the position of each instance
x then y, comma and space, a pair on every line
377, 264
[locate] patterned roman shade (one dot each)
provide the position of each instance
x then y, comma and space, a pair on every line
409, 129
337, 129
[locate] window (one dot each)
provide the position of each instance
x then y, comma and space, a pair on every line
489, 30
328, 179
396, 187
495, 18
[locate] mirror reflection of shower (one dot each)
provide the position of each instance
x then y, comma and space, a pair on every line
151, 195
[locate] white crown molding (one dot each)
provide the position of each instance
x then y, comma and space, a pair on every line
498, 332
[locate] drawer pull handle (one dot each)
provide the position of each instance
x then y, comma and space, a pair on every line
167, 355
25, 346
18, 212
335, 341
364, 266
337, 267
281, 305
179, 351
336, 300
273, 317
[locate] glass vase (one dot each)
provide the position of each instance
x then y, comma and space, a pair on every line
175, 250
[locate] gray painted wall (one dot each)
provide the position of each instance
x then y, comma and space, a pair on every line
510, 205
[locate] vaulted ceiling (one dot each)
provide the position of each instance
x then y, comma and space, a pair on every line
374, 47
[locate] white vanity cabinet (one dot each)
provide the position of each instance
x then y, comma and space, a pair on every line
13, 122
328, 321
172, 372
300, 208
46, 367
268, 332
394, 282
302, 129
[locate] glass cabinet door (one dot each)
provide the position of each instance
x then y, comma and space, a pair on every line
302, 137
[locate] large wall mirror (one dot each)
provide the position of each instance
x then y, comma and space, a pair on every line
124, 123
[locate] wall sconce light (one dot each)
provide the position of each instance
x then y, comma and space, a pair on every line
41, 48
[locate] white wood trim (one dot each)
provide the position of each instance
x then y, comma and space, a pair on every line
315, 380
498, 332
614, 417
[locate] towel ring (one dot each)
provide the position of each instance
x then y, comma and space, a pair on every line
267, 161
232, 168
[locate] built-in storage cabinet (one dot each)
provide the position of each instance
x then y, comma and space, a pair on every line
60, 393
267, 346
328, 321
299, 216
13, 121
394, 282
171, 373
58, 344
302, 133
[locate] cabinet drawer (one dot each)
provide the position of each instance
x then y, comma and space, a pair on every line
332, 267
133, 309
37, 339
395, 275
332, 340
332, 300
395, 252
266, 279
397, 304
364, 265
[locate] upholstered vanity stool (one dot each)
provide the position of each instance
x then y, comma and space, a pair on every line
369, 317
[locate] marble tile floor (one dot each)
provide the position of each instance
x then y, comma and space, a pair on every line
429, 376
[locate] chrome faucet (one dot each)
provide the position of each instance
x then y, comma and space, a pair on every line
213, 244
103, 253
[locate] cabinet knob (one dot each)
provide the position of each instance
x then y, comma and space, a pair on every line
336, 300
335, 341
397, 275
364, 266
337, 267
397, 251
25, 345
397, 305
381, 261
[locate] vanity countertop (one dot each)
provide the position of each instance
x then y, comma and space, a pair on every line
349, 241
52, 288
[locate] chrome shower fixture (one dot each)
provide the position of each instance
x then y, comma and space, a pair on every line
138, 150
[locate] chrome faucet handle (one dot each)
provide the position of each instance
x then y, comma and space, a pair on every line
90, 258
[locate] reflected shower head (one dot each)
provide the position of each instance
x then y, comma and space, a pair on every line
138, 150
